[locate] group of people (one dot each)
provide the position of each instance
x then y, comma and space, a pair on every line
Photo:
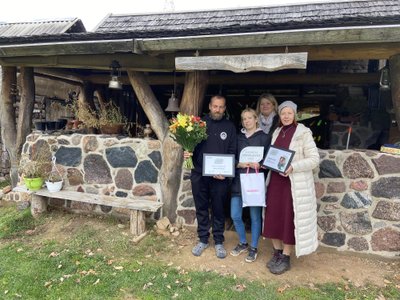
289, 216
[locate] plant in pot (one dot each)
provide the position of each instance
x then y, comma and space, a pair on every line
83, 115
54, 181
111, 120
34, 169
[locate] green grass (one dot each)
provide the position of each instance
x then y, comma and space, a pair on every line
105, 264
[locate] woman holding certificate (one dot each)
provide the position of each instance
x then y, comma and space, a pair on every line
252, 143
291, 212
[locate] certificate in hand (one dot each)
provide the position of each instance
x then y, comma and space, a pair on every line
278, 159
219, 164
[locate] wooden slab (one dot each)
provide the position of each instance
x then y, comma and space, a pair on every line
244, 63
135, 204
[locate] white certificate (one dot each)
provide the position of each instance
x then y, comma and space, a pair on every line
219, 164
251, 154
278, 159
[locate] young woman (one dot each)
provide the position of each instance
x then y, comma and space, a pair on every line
291, 212
267, 112
251, 135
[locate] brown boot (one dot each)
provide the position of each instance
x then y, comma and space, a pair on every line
274, 258
281, 266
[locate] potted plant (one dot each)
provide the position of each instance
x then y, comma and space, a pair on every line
34, 169
54, 182
110, 119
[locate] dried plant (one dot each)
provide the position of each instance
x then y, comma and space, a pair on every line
38, 164
111, 114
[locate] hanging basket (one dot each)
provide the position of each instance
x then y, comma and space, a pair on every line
53, 187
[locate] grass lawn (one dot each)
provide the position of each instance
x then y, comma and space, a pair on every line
92, 259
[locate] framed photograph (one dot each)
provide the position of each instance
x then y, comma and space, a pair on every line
219, 164
278, 159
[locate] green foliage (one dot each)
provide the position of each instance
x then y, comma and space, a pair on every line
110, 114
13, 222
94, 263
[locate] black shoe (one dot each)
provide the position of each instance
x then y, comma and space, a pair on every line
252, 255
274, 258
281, 266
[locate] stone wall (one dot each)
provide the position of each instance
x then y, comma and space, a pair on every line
102, 164
358, 194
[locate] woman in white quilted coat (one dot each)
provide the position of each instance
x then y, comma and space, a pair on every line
291, 212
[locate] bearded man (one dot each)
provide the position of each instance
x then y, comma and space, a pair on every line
212, 192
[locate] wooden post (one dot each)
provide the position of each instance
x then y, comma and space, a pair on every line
137, 222
193, 93
7, 120
38, 205
394, 66
171, 169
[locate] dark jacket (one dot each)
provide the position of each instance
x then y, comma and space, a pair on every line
221, 140
259, 138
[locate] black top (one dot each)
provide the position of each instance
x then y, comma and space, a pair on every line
258, 138
221, 140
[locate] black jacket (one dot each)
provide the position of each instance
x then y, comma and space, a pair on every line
259, 138
221, 140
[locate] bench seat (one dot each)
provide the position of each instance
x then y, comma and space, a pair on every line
137, 207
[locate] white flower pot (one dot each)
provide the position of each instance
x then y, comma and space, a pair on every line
54, 186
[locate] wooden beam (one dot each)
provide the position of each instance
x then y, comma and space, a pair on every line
193, 94
68, 48
95, 62
244, 63
268, 79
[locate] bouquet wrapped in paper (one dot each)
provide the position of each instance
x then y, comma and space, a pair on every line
188, 131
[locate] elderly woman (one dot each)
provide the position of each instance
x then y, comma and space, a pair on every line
267, 111
291, 212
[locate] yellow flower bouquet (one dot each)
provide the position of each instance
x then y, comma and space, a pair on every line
188, 131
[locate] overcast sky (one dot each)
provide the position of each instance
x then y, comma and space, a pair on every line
92, 12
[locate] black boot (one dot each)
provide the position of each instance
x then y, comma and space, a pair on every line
274, 258
281, 266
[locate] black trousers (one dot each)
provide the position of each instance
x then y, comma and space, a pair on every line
209, 193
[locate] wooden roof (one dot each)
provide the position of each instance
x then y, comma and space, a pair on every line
255, 19
48, 27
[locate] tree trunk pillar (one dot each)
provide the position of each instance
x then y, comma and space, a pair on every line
171, 169
193, 94
394, 65
7, 118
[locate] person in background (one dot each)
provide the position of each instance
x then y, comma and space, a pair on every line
251, 135
267, 111
291, 212
212, 191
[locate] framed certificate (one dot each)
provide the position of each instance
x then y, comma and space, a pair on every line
278, 159
219, 164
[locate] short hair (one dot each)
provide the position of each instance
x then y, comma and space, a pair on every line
270, 98
218, 97
252, 111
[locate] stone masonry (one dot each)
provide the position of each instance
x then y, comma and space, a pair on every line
358, 197
101, 164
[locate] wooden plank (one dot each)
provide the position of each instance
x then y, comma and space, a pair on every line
136, 204
137, 222
38, 205
319, 36
244, 63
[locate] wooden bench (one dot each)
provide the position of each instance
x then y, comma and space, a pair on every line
137, 207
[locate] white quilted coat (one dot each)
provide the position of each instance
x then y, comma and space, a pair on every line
304, 161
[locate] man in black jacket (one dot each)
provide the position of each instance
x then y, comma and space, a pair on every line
212, 191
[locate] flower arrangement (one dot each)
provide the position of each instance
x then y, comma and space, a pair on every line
188, 131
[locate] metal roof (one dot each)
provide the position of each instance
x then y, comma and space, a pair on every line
49, 27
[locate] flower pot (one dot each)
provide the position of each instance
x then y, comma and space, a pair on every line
33, 184
54, 186
40, 125
51, 125
111, 129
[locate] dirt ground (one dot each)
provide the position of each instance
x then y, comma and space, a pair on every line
325, 265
